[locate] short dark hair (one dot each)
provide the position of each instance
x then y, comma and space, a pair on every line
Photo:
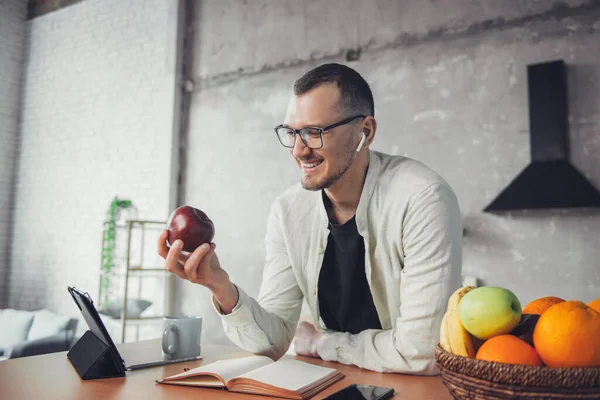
354, 90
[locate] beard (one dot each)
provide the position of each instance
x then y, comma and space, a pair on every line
349, 155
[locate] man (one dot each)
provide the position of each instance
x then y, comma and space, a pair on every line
371, 241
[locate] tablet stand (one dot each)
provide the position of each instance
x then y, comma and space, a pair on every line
94, 359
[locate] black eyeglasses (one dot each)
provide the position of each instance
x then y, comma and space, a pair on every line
312, 136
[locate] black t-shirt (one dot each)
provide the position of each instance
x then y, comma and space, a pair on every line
345, 300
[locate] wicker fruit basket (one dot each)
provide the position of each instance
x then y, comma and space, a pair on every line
468, 378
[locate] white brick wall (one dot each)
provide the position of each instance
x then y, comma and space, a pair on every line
97, 122
13, 29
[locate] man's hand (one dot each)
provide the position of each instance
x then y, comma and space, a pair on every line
201, 267
307, 339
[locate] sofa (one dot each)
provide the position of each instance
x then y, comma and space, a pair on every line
29, 333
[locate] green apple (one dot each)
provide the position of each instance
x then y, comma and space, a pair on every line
489, 311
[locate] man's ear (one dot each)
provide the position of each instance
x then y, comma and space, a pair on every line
362, 141
369, 128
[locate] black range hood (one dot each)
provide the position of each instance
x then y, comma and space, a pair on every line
550, 180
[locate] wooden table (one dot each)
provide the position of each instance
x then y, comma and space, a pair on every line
52, 376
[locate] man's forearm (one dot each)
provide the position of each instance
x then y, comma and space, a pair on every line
257, 329
377, 350
226, 295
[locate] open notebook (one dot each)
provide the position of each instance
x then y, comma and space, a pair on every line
287, 378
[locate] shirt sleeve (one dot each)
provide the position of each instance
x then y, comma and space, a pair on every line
432, 248
267, 326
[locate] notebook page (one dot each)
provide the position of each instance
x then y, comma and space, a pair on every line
289, 374
228, 369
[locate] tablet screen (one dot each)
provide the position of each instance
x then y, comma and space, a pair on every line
92, 318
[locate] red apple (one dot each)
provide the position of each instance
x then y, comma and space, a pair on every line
191, 226
524, 330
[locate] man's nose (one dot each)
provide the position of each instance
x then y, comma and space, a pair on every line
300, 149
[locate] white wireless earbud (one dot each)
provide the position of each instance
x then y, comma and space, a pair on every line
362, 141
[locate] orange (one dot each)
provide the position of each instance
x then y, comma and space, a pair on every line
595, 304
538, 306
568, 335
508, 349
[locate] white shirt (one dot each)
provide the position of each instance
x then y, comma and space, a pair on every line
412, 228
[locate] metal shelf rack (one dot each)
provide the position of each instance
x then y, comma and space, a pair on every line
130, 273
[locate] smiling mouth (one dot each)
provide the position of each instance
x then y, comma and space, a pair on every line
309, 166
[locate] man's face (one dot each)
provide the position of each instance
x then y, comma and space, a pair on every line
319, 107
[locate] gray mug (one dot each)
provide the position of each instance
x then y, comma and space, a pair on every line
181, 337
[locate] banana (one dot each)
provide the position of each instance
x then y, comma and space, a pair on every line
461, 341
444, 338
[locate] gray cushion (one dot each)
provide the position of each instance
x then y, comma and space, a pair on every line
46, 323
135, 307
14, 326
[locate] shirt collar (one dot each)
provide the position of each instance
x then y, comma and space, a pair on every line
365, 197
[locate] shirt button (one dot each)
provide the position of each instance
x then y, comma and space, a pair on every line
314, 292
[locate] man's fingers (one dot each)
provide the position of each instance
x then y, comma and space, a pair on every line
198, 254
172, 260
163, 250
180, 263
180, 272
183, 257
193, 263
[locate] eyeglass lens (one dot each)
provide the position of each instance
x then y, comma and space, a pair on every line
310, 136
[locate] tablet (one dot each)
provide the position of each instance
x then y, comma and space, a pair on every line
93, 320
97, 327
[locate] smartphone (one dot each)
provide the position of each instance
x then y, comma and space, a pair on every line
362, 392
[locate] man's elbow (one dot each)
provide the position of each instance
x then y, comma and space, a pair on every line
426, 366
273, 353
429, 368
278, 348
